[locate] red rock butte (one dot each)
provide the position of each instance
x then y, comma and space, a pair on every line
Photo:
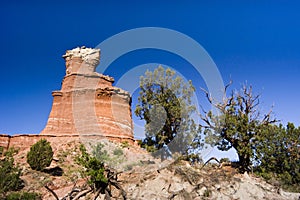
87, 104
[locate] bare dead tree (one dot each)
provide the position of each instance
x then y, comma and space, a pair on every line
52, 192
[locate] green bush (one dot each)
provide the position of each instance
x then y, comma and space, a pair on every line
100, 153
278, 156
9, 173
40, 155
94, 169
118, 152
207, 193
23, 196
193, 158
124, 144
1, 150
224, 160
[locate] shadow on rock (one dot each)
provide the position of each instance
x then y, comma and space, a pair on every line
55, 171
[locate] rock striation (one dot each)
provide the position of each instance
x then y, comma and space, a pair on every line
87, 104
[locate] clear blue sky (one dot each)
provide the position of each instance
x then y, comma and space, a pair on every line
256, 42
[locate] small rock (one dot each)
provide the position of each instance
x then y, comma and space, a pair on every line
217, 186
201, 191
246, 176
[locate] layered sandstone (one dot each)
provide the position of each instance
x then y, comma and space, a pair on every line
88, 104
25, 141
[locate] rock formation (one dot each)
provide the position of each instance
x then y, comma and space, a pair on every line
86, 107
88, 104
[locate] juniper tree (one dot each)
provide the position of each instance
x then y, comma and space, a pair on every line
278, 155
237, 124
40, 155
165, 103
10, 173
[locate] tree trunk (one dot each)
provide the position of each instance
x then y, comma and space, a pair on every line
244, 162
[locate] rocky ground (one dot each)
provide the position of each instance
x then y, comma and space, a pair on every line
143, 177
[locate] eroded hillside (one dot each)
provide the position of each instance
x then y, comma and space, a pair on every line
140, 176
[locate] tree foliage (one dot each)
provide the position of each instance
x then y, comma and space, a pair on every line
273, 151
100, 178
40, 155
278, 155
9, 173
94, 169
100, 153
165, 103
238, 124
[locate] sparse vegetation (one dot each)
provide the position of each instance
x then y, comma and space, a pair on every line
193, 158
112, 157
118, 152
100, 153
40, 155
1, 150
130, 166
207, 193
23, 196
94, 168
124, 144
62, 155
224, 160
99, 177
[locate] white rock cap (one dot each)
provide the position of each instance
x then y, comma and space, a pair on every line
88, 55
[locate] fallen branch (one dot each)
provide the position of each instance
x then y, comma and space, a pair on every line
212, 158
82, 193
52, 192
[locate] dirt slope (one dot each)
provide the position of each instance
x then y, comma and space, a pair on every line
143, 177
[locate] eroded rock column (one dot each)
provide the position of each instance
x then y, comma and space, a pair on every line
87, 103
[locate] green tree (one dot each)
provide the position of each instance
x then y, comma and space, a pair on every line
100, 178
9, 173
165, 103
94, 169
237, 124
278, 155
40, 155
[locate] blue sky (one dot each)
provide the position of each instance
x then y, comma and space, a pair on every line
255, 42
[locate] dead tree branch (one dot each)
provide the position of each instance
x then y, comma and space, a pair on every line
52, 192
